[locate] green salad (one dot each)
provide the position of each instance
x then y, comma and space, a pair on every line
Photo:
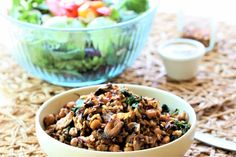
80, 11
73, 53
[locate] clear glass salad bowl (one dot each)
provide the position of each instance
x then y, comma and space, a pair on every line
79, 56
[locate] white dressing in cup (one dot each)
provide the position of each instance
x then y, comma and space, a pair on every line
181, 57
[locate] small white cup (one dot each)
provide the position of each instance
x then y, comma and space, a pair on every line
181, 57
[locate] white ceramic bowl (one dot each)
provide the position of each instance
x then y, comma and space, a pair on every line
55, 148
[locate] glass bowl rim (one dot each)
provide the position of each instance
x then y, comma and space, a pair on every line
151, 10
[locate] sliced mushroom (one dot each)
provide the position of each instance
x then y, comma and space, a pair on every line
113, 128
124, 116
77, 122
152, 113
64, 122
135, 126
103, 89
96, 116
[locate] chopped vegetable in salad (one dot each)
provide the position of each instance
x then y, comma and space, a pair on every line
50, 12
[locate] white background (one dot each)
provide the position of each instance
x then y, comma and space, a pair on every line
220, 10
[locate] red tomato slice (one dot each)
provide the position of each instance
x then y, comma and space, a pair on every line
71, 13
67, 8
71, 7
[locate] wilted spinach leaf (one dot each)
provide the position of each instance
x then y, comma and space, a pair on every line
165, 109
131, 99
175, 112
181, 125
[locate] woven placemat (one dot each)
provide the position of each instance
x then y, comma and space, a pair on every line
211, 93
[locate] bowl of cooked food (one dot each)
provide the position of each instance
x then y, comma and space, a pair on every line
78, 42
115, 120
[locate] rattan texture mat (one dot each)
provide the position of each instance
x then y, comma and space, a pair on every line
212, 93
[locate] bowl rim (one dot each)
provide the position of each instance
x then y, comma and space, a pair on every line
152, 9
48, 102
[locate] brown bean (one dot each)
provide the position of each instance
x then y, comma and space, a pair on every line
113, 128
150, 140
49, 120
177, 133
61, 138
183, 116
95, 124
101, 147
114, 148
158, 137
73, 131
74, 141
166, 139
158, 131
153, 123
62, 113
158, 112
164, 117
163, 124
71, 104
127, 149
137, 113
151, 113
136, 145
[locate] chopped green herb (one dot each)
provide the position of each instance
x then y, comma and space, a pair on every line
175, 112
182, 125
165, 109
125, 92
131, 100
173, 137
